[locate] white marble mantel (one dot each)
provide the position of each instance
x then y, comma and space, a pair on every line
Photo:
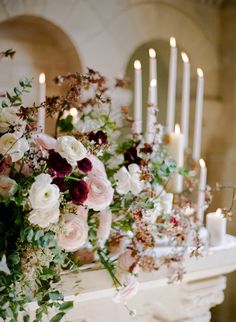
156, 301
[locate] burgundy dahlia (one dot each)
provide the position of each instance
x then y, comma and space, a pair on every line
58, 165
99, 137
85, 165
60, 183
78, 192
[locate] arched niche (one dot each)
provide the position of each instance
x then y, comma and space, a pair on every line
162, 48
40, 46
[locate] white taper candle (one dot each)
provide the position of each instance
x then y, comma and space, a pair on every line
185, 99
197, 138
176, 151
151, 112
153, 70
42, 97
201, 191
172, 86
137, 97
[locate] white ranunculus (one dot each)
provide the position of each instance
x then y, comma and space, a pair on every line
8, 116
129, 180
14, 145
43, 194
70, 149
8, 186
44, 217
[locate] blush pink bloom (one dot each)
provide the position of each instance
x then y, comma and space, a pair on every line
82, 213
128, 291
126, 261
100, 193
45, 141
104, 228
76, 233
98, 169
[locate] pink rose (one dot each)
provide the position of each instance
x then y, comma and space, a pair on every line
76, 233
126, 261
98, 169
45, 141
82, 213
104, 228
100, 193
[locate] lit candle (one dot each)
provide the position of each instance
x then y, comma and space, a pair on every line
42, 96
137, 97
176, 151
172, 86
153, 70
185, 99
198, 116
216, 225
201, 191
151, 112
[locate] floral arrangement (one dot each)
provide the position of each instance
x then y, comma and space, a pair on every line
90, 197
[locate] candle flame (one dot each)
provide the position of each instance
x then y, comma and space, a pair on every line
202, 163
42, 78
152, 53
177, 129
73, 111
218, 212
137, 65
172, 42
153, 83
200, 72
185, 57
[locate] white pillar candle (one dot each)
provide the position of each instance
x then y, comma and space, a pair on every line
153, 70
176, 151
216, 225
42, 97
185, 99
198, 116
137, 97
151, 112
201, 191
172, 86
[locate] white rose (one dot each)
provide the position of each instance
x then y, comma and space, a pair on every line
14, 145
44, 217
43, 194
70, 149
129, 180
8, 116
8, 186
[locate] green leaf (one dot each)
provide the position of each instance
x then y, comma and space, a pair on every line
55, 296
17, 91
26, 318
57, 317
4, 104
66, 306
65, 124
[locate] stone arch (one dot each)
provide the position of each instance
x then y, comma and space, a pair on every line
106, 40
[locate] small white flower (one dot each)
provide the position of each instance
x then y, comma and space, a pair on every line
3, 265
14, 145
44, 217
8, 186
129, 180
43, 194
70, 149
